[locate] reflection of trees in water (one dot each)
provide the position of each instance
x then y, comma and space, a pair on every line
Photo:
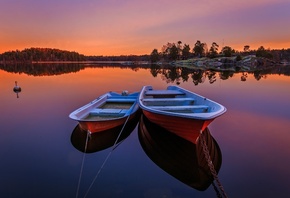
259, 75
168, 73
42, 69
155, 70
198, 76
224, 75
174, 74
177, 74
211, 76
184, 74
244, 76
171, 75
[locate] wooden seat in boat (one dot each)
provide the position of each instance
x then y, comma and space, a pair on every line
163, 93
181, 108
99, 111
167, 99
121, 100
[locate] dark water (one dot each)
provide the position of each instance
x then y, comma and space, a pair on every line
40, 156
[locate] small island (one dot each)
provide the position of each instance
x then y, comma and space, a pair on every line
171, 54
226, 59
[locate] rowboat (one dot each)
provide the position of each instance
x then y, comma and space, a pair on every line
107, 111
179, 111
178, 157
104, 139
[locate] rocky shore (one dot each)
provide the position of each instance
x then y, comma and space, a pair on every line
246, 63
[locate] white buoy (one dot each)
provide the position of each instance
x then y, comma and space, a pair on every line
17, 89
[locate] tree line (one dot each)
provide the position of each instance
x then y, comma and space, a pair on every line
40, 54
177, 51
169, 52
48, 54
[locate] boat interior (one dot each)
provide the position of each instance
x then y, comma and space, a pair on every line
173, 101
112, 107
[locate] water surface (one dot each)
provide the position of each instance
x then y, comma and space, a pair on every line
38, 158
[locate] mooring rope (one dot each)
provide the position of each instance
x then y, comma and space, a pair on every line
210, 164
114, 146
82, 166
218, 194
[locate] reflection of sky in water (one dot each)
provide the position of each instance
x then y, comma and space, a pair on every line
38, 158
256, 137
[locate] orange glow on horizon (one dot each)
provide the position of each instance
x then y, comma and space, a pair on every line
143, 51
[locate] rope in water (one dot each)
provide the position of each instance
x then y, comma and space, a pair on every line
114, 146
82, 166
211, 166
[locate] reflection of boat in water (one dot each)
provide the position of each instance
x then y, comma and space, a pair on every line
103, 139
178, 157
178, 110
107, 111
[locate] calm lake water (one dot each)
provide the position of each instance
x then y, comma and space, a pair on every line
39, 156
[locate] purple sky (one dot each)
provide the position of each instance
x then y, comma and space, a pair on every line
123, 27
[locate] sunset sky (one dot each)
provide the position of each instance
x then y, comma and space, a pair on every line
124, 27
